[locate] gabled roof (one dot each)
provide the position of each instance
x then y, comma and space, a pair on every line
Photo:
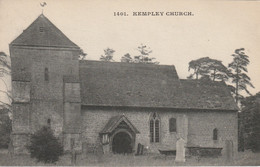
146, 85
128, 84
115, 121
206, 94
42, 33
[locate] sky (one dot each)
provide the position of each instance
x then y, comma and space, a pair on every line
215, 30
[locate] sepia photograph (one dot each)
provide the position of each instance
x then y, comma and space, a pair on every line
129, 83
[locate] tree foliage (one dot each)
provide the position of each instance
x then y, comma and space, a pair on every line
250, 123
238, 73
254, 142
5, 128
108, 55
44, 146
250, 100
82, 55
144, 56
5, 66
5, 69
206, 67
127, 58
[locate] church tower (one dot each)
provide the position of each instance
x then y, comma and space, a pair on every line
45, 84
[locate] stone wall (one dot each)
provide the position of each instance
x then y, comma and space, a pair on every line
19, 143
200, 126
21, 118
72, 115
21, 91
72, 141
46, 96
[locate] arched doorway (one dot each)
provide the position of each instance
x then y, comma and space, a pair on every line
122, 143
120, 134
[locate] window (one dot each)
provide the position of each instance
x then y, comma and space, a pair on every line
215, 134
41, 29
151, 130
46, 74
172, 125
72, 143
49, 122
154, 128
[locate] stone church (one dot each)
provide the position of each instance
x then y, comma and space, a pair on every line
113, 104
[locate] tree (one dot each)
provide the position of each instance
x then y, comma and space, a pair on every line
250, 122
108, 55
217, 70
5, 66
5, 128
238, 70
206, 67
127, 58
5, 112
250, 100
44, 146
254, 142
5, 69
144, 55
82, 55
198, 68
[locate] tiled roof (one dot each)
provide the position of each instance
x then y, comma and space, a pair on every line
146, 85
127, 84
115, 121
42, 33
206, 94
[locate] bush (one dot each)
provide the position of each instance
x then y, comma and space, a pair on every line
44, 146
254, 136
5, 129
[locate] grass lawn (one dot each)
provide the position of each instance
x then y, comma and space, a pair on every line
245, 158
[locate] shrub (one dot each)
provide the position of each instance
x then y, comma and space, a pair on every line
44, 146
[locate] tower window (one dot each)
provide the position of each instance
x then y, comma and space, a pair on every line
72, 143
46, 74
49, 122
41, 29
172, 125
154, 128
215, 134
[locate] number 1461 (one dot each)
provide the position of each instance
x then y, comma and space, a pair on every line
120, 14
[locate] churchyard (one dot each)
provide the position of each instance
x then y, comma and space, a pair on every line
243, 158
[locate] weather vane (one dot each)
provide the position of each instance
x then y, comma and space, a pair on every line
42, 5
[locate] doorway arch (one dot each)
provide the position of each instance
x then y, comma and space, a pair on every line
120, 134
122, 143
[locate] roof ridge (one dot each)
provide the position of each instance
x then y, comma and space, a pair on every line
198, 80
25, 30
51, 37
57, 29
117, 62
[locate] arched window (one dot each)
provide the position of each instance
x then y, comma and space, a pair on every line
154, 128
46, 74
172, 125
49, 122
72, 143
215, 134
